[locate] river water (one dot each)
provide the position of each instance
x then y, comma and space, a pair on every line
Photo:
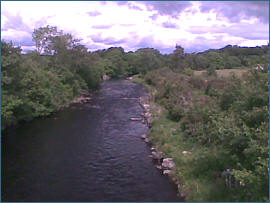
87, 152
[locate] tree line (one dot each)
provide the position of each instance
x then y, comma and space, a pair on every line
42, 81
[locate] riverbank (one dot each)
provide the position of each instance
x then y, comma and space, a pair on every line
83, 98
155, 118
164, 162
215, 129
165, 142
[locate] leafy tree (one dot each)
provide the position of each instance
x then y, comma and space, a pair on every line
43, 38
177, 57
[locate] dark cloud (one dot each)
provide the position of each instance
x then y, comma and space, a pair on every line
96, 38
171, 8
145, 42
133, 42
251, 32
154, 17
149, 42
244, 30
165, 50
107, 40
113, 41
21, 41
15, 23
191, 10
169, 25
131, 6
101, 26
121, 3
93, 13
200, 44
95, 46
235, 11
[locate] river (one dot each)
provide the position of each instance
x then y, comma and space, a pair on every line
87, 152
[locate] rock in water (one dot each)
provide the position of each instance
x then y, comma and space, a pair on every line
105, 77
144, 136
157, 155
136, 119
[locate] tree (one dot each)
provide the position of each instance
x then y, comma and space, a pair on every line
43, 38
177, 57
148, 59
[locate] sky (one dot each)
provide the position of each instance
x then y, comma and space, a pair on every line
194, 25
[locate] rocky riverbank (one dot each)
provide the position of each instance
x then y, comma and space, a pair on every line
165, 164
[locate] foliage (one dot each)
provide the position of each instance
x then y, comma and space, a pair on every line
223, 122
35, 85
225, 58
40, 82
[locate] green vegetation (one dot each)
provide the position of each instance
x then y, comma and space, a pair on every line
35, 85
43, 81
222, 124
221, 118
224, 72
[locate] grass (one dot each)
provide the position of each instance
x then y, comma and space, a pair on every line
224, 72
166, 136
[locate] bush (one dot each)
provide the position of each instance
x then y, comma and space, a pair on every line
211, 71
175, 113
228, 130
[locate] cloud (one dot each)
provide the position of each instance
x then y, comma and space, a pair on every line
93, 13
134, 24
27, 49
15, 22
171, 8
204, 43
236, 11
42, 22
154, 17
107, 40
121, 3
127, 25
134, 7
113, 41
243, 30
145, 42
16, 30
169, 25
252, 32
129, 4
101, 26
20, 39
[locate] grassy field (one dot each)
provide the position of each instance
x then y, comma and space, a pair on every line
225, 72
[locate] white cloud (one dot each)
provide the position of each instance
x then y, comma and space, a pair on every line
132, 21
